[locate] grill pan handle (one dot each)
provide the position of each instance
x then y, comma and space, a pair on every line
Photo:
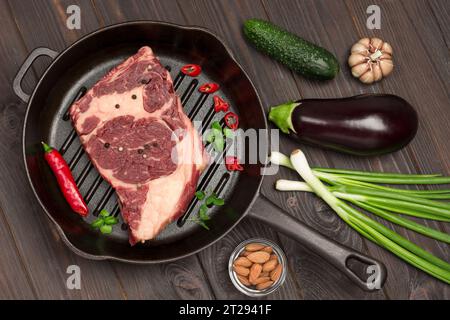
338, 255
36, 53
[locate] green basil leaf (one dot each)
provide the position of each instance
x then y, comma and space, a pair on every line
228, 132
210, 136
200, 195
105, 229
104, 213
217, 133
111, 220
218, 202
210, 200
203, 212
202, 223
97, 223
219, 144
216, 125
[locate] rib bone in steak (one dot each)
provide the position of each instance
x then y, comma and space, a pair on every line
132, 125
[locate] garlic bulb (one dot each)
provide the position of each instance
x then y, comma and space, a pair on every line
371, 60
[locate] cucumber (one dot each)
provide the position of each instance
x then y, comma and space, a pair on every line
304, 57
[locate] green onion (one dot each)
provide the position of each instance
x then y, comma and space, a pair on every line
378, 177
280, 159
368, 227
289, 185
389, 179
375, 174
338, 180
439, 208
406, 211
407, 223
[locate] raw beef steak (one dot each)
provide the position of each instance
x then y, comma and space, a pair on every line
132, 125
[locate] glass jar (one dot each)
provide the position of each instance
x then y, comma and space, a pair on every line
250, 291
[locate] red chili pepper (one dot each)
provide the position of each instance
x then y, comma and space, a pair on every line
65, 180
220, 104
232, 164
209, 87
231, 120
191, 70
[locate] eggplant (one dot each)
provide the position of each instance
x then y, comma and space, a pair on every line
365, 125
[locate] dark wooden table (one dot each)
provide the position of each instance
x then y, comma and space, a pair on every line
33, 260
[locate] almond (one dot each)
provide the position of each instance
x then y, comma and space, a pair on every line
264, 274
273, 257
254, 247
255, 271
276, 273
270, 265
242, 271
243, 261
264, 285
267, 249
260, 280
244, 280
245, 253
258, 257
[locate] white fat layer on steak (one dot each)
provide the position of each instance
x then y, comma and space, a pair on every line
165, 198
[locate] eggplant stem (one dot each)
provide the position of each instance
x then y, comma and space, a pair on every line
281, 115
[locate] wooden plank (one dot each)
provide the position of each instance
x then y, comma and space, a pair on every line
432, 35
43, 252
15, 280
15, 272
441, 15
428, 152
116, 11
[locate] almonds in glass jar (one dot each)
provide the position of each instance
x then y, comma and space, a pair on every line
257, 266
371, 60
